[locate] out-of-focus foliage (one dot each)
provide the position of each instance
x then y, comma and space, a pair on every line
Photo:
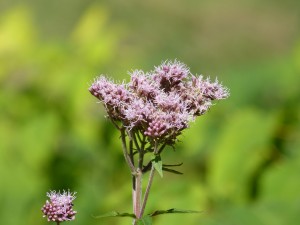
241, 161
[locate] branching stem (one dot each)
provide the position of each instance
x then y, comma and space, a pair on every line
137, 172
125, 151
151, 175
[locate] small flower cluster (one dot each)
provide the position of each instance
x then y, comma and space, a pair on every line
60, 206
160, 103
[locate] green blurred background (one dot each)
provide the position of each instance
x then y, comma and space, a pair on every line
241, 160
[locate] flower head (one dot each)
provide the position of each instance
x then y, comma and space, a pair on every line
59, 207
160, 103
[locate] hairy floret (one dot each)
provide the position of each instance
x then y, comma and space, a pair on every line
59, 207
161, 103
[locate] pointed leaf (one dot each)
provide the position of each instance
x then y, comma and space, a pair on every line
168, 211
145, 220
157, 163
171, 171
172, 165
115, 214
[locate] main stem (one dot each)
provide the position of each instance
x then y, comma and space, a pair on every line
138, 194
137, 172
138, 176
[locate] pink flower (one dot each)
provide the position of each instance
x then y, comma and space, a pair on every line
59, 207
161, 103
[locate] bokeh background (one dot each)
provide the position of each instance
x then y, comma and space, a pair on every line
241, 161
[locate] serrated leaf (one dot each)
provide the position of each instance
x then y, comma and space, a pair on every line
115, 214
168, 211
145, 220
171, 171
157, 163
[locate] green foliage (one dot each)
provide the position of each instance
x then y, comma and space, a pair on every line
170, 211
157, 163
241, 160
145, 220
246, 153
115, 214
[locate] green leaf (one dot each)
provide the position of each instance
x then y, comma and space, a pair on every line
172, 165
171, 171
157, 163
145, 220
115, 214
168, 211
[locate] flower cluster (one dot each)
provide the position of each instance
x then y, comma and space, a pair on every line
161, 103
60, 206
